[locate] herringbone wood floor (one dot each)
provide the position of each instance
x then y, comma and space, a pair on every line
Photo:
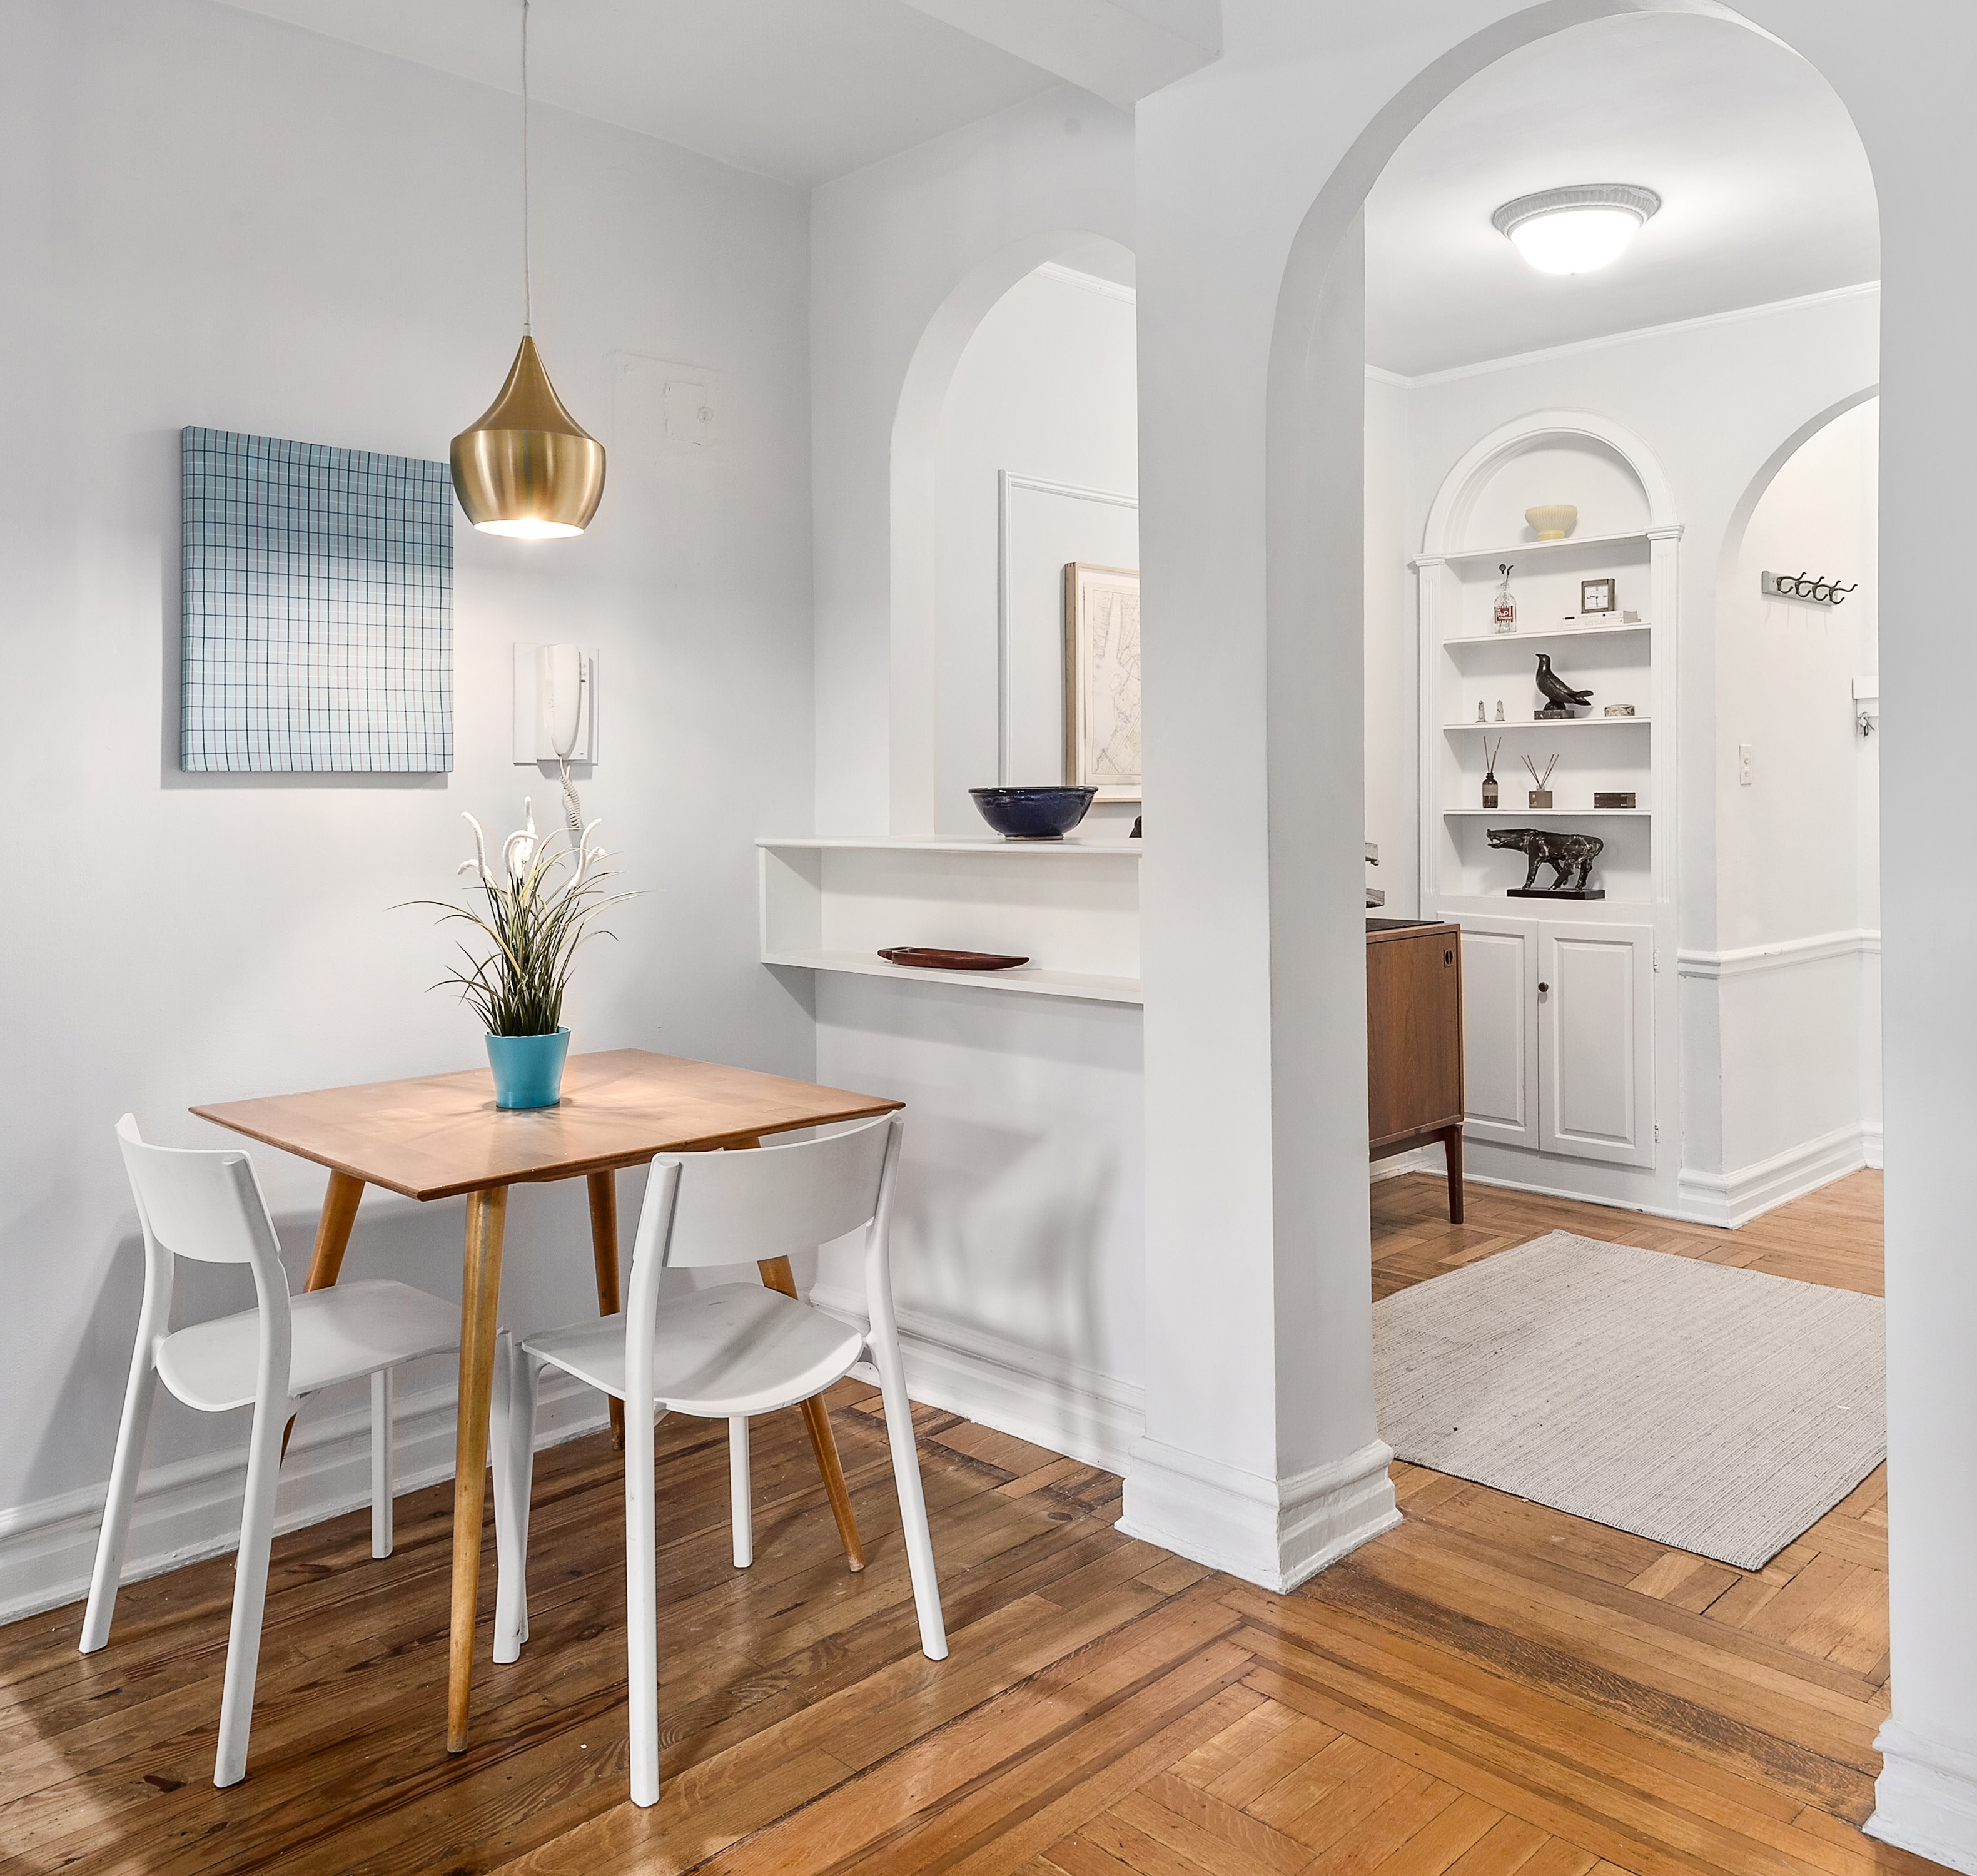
1491, 1688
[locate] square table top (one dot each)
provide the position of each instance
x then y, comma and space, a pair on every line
436, 1136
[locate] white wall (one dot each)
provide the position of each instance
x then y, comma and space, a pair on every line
1715, 400
224, 221
1018, 1258
907, 256
1799, 847
1393, 660
1048, 391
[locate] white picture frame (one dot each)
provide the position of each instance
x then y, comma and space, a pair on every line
1101, 679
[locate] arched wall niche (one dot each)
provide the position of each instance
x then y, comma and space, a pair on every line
1615, 480
914, 502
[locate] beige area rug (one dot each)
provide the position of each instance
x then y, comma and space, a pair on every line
1712, 1410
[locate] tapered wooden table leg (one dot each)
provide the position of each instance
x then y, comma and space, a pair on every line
1451, 1147
777, 1275
604, 1251
480, 1304
333, 1239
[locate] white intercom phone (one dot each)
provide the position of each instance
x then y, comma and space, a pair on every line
555, 703
561, 672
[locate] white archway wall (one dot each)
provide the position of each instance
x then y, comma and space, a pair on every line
1046, 392
919, 245
1252, 175
1016, 1245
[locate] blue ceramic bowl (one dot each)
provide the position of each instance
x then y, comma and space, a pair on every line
1033, 813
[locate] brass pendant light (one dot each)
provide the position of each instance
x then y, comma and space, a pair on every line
528, 468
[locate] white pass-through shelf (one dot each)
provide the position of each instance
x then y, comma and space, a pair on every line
832, 903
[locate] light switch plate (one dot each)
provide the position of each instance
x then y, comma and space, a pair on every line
531, 743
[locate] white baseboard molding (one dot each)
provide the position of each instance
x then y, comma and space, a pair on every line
1925, 1798
1274, 1533
1870, 1143
1732, 1199
1416, 1159
1049, 1400
190, 1509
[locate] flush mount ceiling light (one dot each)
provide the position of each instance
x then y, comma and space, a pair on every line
528, 468
1575, 230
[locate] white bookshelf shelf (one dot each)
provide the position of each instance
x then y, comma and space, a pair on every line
831, 903
1552, 814
990, 843
1525, 638
1545, 549
1560, 722
1025, 979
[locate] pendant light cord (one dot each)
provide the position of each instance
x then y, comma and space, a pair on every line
528, 289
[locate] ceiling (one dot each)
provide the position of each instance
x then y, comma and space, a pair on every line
1765, 189
799, 90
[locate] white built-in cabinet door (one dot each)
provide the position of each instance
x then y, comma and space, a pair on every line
1500, 1044
1595, 1017
1558, 1037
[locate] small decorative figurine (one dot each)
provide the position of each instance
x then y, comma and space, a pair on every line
1569, 855
1505, 611
1564, 698
1500, 709
1490, 756
1540, 789
1480, 717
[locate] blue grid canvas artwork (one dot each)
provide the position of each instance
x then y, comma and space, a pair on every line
317, 618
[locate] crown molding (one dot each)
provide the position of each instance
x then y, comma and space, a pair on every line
1515, 361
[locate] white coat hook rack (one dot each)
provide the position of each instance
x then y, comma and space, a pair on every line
1814, 587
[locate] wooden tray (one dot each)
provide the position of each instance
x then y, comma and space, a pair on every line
912, 957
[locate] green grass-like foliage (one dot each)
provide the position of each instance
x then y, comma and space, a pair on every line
541, 902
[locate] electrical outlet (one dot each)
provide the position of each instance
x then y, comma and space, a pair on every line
1743, 764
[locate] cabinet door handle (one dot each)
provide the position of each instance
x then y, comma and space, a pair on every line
1543, 988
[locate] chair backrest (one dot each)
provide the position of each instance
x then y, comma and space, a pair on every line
770, 1202
201, 1203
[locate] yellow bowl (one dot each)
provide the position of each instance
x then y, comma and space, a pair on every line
1553, 523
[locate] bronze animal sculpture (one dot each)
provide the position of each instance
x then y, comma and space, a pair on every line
1562, 696
1569, 855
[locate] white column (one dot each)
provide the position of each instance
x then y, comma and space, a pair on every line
1261, 1455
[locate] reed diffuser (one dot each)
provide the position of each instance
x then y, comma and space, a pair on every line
1490, 756
1540, 788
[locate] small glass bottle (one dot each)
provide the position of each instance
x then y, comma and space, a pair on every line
1505, 612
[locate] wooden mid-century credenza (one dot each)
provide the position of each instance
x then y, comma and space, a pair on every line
1413, 1042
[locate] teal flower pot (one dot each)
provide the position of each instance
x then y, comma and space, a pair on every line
528, 1069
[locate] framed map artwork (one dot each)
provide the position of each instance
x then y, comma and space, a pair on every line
1101, 679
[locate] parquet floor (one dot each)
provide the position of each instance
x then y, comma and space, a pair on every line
1492, 1688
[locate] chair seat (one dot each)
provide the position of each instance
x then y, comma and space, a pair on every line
737, 1349
339, 1334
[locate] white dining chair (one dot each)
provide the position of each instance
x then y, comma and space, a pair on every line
208, 1206
721, 1354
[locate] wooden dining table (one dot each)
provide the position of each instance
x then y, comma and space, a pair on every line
441, 1136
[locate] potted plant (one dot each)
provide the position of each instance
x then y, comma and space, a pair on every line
541, 902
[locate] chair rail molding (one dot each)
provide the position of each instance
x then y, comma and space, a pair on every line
1714, 967
1274, 1533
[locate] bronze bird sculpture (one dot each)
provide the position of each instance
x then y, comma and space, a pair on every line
1561, 694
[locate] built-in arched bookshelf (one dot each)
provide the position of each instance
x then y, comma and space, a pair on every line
1563, 1040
